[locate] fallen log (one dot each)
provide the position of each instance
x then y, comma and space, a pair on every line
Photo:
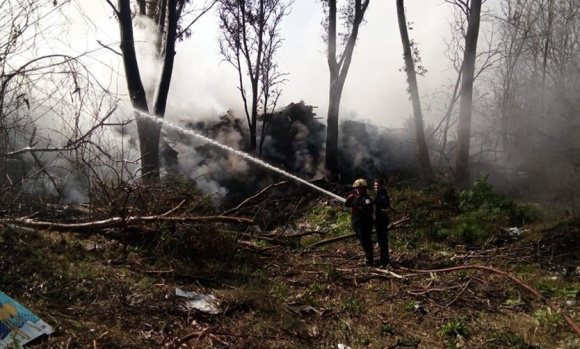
121, 221
348, 236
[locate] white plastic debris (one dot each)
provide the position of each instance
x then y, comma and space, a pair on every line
513, 232
343, 346
303, 309
206, 303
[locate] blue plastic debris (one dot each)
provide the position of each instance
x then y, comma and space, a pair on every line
19, 325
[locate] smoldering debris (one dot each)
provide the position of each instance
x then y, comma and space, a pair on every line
292, 139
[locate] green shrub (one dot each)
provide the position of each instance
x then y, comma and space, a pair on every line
495, 207
472, 228
482, 213
439, 214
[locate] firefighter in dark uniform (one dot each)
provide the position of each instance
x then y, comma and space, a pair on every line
383, 207
361, 217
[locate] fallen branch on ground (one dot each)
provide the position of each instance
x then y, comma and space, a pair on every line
523, 284
293, 235
305, 233
393, 225
118, 221
391, 273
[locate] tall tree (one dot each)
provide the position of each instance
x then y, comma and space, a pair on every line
487, 57
167, 15
422, 150
339, 64
465, 105
249, 43
537, 100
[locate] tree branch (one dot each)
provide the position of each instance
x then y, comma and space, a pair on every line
118, 221
108, 48
70, 145
203, 12
113, 7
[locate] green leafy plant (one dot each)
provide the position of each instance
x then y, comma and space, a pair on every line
409, 306
511, 339
279, 288
481, 212
316, 287
548, 317
453, 329
352, 305
513, 300
481, 198
387, 329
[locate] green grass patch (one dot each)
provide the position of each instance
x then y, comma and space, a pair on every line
334, 219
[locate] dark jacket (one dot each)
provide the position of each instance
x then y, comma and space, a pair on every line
382, 202
361, 208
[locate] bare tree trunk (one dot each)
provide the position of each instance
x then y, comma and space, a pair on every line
149, 131
168, 50
256, 78
167, 71
263, 136
254, 110
331, 158
338, 67
161, 25
335, 94
545, 52
425, 170
462, 176
142, 7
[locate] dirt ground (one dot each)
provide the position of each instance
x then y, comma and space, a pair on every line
115, 287
272, 296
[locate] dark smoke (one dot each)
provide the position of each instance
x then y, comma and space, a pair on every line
294, 141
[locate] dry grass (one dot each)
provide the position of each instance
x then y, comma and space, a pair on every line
275, 297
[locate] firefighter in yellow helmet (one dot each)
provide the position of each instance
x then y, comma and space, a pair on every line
361, 217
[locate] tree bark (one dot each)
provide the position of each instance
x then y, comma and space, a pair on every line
338, 67
149, 131
462, 176
256, 77
425, 170
168, 59
335, 94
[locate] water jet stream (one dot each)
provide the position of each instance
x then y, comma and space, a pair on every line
234, 151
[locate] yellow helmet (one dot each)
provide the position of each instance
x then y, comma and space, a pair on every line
359, 183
